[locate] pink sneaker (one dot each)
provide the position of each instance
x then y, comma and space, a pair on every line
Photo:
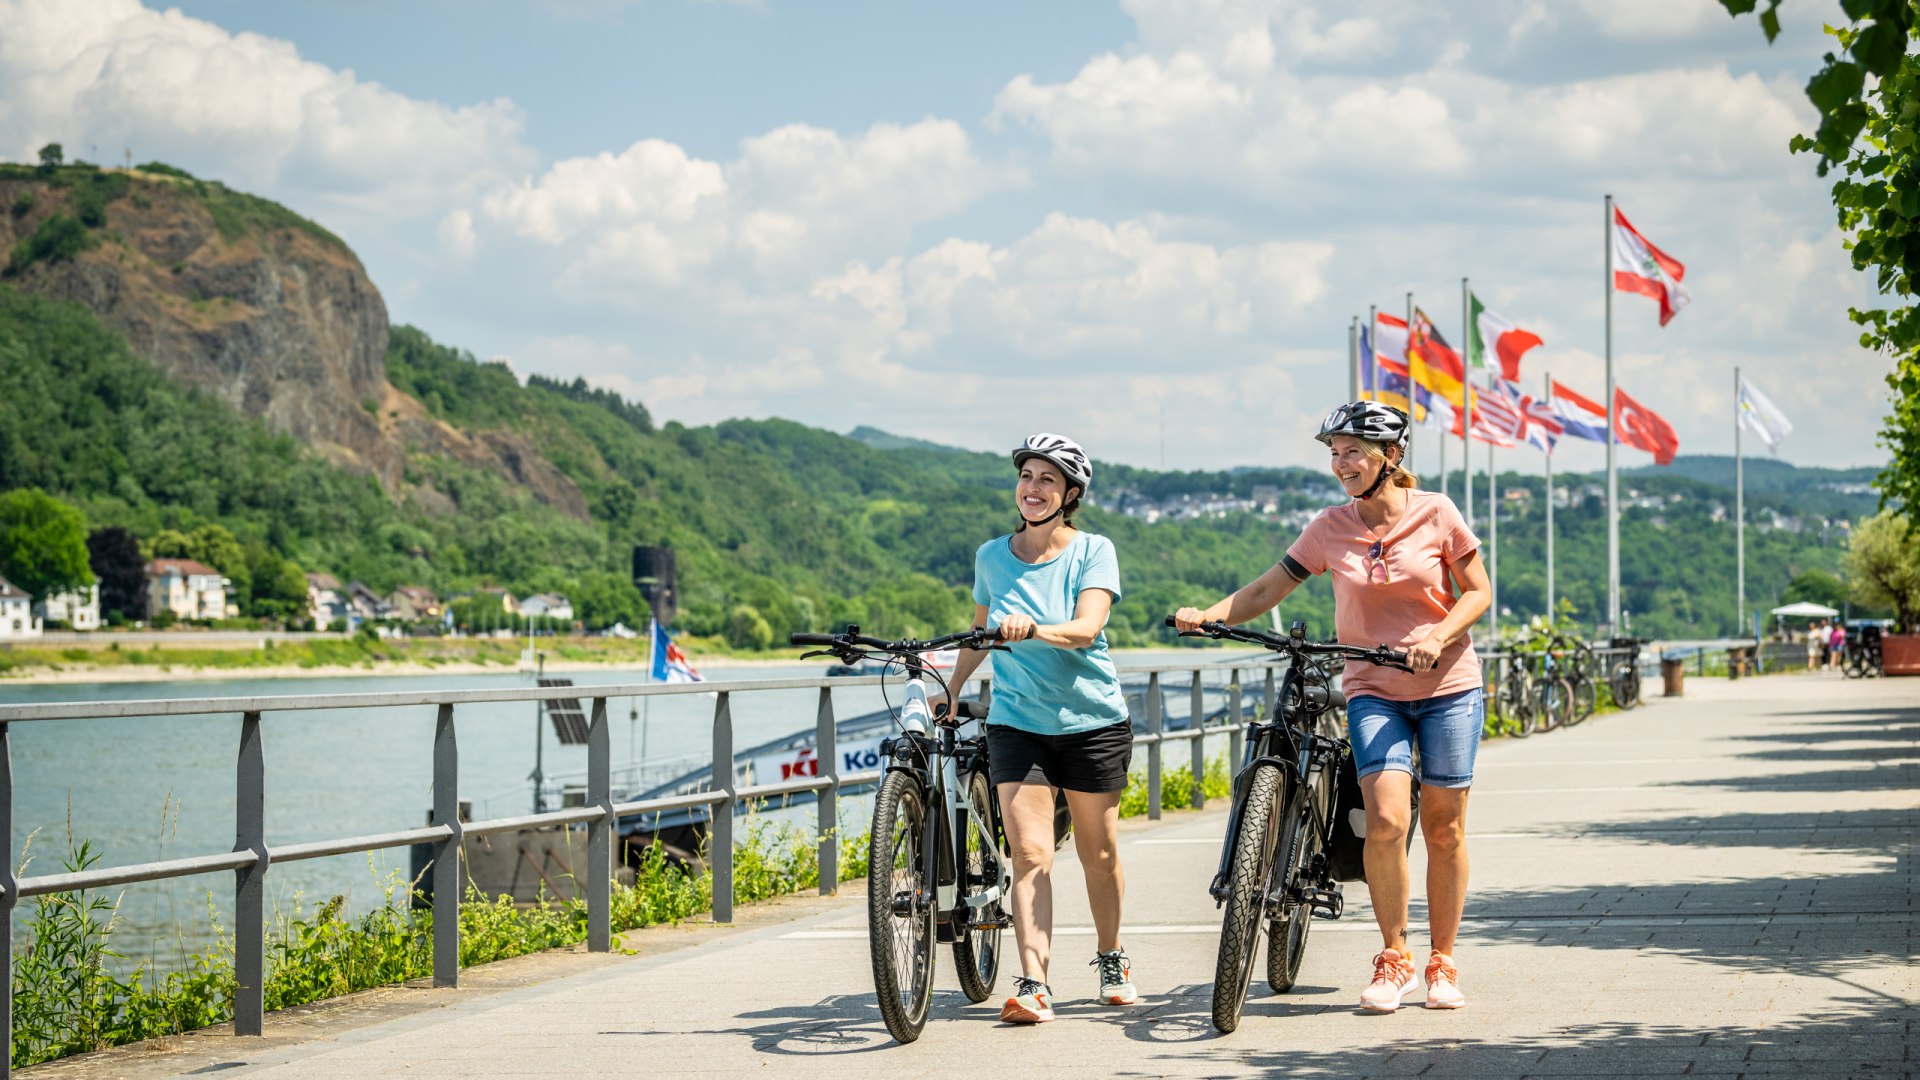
1443, 984
1393, 980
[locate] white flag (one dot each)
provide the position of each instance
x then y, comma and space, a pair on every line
1762, 415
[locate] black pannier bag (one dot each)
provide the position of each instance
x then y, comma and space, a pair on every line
1346, 849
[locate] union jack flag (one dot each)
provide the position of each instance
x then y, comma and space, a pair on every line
1504, 415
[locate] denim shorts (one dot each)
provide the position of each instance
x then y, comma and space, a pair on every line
1447, 728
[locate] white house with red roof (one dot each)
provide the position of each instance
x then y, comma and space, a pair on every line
189, 589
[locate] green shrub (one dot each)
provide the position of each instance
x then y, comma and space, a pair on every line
60, 237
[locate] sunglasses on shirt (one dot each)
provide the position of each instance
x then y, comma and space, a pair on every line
1376, 561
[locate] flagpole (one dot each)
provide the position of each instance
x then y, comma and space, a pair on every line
1551, 608
1739, 515
1493, 542
1613, 477
1353, 359
1412, 407
1373, 336
1466, 429
1443, 458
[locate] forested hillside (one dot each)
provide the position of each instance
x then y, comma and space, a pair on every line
410, 463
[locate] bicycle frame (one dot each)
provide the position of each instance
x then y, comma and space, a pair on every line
918, 743
1290, 744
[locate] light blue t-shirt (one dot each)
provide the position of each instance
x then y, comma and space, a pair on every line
1037, 687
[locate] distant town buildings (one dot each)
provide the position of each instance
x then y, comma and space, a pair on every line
413, 603
547, 606
188, 589
16, 613
326, 603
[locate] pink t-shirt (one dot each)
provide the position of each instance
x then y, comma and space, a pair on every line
1429, 537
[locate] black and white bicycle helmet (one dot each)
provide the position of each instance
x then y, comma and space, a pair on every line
1062, 453
1369, 420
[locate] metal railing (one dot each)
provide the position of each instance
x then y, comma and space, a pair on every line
252, 857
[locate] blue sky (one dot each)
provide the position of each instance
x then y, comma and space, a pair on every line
966, 222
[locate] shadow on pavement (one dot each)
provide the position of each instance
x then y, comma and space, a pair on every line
1865, 1037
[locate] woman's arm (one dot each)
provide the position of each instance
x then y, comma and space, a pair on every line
1476, 595
1250, 601
1090, 613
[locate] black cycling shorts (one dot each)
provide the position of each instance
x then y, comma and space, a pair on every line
1094, 761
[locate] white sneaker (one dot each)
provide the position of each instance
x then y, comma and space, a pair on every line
1443, 984
1031, 1003
1393, 980
1116, 979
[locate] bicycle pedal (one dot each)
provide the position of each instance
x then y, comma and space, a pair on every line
1000, 923
1326, 903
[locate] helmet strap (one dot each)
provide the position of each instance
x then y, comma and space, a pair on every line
1386, 470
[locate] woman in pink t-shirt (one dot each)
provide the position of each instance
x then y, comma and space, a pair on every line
1406, 573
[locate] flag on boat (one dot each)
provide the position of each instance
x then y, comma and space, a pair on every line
1639, 267
1486, 330
1433, 363
1579, 416
670, 665
1762, 415
1644, 429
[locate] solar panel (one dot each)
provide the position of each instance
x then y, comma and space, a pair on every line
569, 720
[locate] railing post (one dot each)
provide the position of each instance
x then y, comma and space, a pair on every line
1197, 746
250, 884
720, 833
448, 881
827, 803
1154, 726
1236, 736
9, 882
600, 831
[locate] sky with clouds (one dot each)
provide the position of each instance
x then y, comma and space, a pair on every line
1144, 223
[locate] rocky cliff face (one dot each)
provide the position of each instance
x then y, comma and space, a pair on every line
242, 298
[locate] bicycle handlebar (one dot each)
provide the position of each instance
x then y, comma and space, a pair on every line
1380, 655
852, 641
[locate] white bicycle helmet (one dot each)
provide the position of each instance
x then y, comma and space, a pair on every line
1062, 453
1369, 420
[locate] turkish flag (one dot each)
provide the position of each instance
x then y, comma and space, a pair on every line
1640, 427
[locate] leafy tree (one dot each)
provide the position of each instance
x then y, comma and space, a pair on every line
114, 555
746, 629
602, 598
43, 543
279, 588
1884, 566
169, 544
1870, 130
1815, 586
52, 156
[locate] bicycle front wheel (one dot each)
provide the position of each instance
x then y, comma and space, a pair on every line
1247, 879
976, 940
1287, 933
900, 902
1556, 703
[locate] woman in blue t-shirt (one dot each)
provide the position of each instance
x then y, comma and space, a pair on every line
1059, 720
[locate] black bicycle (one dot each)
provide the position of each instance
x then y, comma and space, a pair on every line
937, 856
1623, 678
1275, 871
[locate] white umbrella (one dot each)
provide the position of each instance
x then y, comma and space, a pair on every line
1805, 609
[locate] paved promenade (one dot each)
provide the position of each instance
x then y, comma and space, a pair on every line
1721, 885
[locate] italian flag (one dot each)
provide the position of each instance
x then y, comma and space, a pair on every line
1508, 341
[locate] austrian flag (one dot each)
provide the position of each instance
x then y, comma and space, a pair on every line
1639, 267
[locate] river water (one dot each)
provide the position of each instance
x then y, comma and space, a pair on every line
146, 788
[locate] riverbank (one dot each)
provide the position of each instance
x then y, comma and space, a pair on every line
334, 657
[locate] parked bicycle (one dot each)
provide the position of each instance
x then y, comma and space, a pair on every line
1623, 677
937, 858
1275, 869
1515, 702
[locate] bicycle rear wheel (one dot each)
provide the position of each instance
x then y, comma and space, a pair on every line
1556, 703
1247, 878
976, 942
1525, 704
1287, 933
1586, 699
900, 902
1625, 685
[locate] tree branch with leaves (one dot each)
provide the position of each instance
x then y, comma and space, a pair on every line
1868, 95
